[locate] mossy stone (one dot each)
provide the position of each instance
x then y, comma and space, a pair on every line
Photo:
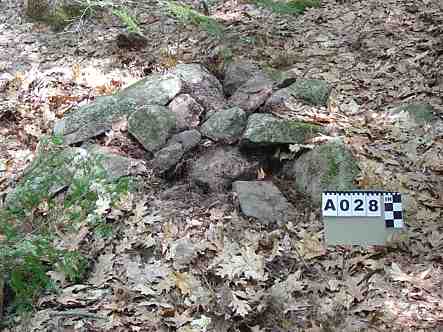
328, 167
421, 112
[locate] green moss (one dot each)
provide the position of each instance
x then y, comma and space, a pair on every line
420, 112
341, 167
292, 7
60, 17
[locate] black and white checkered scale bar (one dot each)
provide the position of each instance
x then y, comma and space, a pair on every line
393, 210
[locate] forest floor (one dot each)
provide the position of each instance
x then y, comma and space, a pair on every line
377, 54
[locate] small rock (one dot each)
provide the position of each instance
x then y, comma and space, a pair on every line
203, 86
236, 74
189, 139
168, 157
152, 125
115, 165
93, 119
154, 89
187, 110
315, 92
216, 169
225, 125
421, 113
253, 94
264, 201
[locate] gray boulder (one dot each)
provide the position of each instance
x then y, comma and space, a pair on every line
264, 201
55, 170
236, 74
187, 110
328, 167
201, 85
225, 125
420, 113
116, 165
267, 130
155, 89
315, 92
168, 157
253, 94
216, 169
189, 139
152, 125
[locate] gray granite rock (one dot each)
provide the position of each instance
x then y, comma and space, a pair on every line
328, 167
189, 139
216, 169
264, 201
154, 89
267, 130
187, 110
253, 94
152, 125
93, 119
168, 157
238, 73
225, 125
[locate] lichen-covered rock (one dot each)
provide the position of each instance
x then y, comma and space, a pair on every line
155, 89
152, 125
204, 87
189, 139
216, 169
328, 167
57, 13
93, 119
252, 94
187, 110
315, 92
225, 125
421, 113
236, 74
168, 157
116, 165
264, 201
267, 130
303, 91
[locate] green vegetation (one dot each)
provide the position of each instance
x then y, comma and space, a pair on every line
27, 250
292, 7
187, 15
129, 21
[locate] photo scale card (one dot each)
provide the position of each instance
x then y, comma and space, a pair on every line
360, 217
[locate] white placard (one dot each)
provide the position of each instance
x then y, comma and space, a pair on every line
358, 204
329, 204
344, 204
372, 206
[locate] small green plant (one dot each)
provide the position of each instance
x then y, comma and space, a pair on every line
129, 21
292, 7
187, 15
27, 252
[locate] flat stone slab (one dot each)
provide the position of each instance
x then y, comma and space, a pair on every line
267, 130
264, 201
93, 119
